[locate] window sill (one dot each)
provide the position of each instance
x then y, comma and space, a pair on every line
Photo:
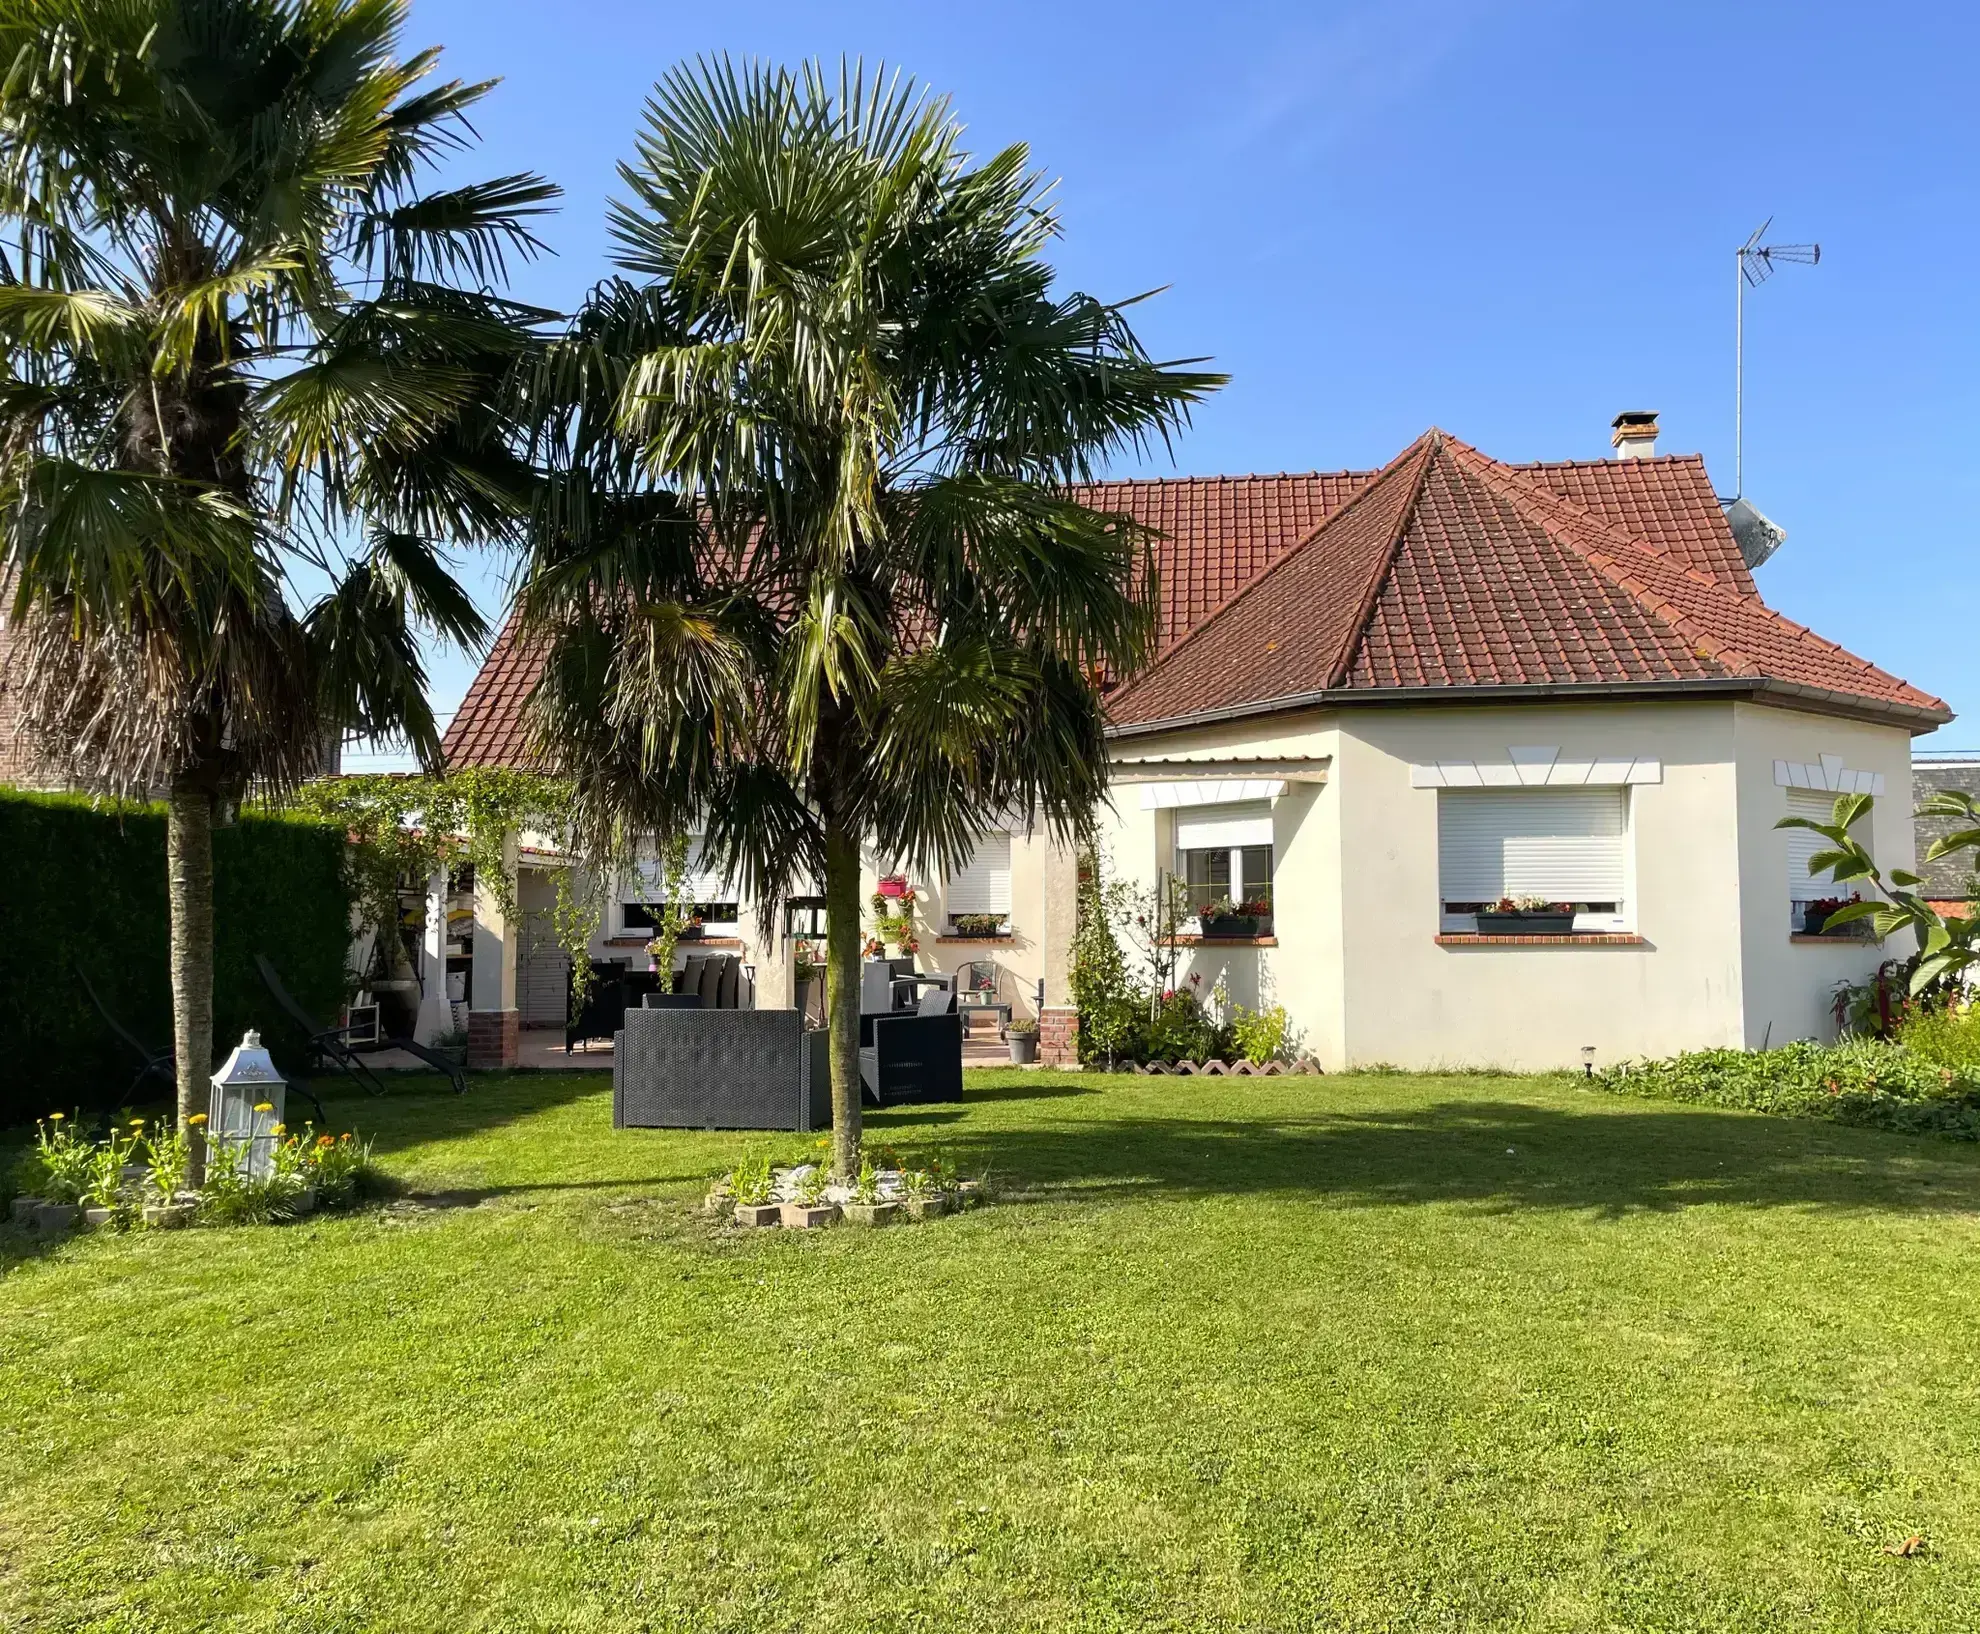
1803, 939
1580, 938
1225, 941
990, 936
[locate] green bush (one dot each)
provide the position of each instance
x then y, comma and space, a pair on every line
1946, 1038
1860, 1081
86, 889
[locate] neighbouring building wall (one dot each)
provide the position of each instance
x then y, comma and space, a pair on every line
1418, 1002
1790, 981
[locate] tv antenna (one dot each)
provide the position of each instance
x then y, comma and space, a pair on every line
1756, 265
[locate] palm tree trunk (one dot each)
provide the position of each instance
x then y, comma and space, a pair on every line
842, 992
189, 869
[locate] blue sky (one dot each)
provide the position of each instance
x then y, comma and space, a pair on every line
1507, 219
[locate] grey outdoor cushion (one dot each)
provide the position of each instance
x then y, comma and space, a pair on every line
671, 1001
718, 1069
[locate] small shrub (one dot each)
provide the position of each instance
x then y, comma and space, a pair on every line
1946, 1038
1261, 1035
342, 1171
1183, 1031
1859, 1081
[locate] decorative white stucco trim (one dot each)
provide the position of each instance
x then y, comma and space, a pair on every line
1162, 796
1829, 774
1536, 767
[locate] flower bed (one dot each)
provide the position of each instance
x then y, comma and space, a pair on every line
136, 1176
803, 1196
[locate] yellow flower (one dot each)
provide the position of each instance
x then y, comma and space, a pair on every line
57, 1117
197, 1118
279, 1129
264, 1106
137, 1123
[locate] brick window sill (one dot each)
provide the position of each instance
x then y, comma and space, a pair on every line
1225, 941
1574, 939
958, 936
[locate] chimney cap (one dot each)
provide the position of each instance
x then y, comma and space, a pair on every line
1635, 434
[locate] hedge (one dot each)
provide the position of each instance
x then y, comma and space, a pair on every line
84, 886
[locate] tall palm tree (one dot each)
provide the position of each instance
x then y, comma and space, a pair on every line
811, 570
244, 354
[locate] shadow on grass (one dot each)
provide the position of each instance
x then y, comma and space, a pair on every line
1500, 1155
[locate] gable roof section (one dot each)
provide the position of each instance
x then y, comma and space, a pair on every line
1216, 534
1446, 569
1497, 578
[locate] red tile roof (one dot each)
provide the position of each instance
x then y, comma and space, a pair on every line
1451, 571
1446, 569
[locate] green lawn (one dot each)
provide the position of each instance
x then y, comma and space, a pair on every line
1346, 1353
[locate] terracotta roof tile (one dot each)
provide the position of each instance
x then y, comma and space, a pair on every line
1506, 576
1445, 569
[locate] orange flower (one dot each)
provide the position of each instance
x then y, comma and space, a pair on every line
326, 1140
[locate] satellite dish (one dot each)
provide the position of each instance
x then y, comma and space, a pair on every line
1757, 537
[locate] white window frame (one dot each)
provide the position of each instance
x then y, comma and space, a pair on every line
698, 886
984, 881
1802, 843
1623, 920
1250, 827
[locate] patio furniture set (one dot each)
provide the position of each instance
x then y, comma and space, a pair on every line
701, 1067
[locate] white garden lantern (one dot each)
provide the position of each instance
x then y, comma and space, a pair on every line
246, 1108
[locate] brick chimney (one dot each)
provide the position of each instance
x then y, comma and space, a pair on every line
1635, 434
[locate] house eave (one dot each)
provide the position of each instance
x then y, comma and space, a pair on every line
1916, 719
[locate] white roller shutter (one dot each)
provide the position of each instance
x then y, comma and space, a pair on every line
1206, 828
984, 885
1564, 844
1803, 843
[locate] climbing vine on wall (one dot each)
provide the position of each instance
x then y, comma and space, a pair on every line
408, 828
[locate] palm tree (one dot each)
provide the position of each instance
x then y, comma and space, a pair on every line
245, 354
811, 569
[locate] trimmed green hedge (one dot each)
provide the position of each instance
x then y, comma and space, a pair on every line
85, 885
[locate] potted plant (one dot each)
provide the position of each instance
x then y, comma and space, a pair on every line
809, 1208
1228, 918
1526, 916
866, 1207
1022, 1036
1815, 915
751, 1189
167, 1204
922, 1197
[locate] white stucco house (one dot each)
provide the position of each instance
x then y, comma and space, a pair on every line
1386, 699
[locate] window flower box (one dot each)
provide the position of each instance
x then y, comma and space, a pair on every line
1524, 922
1228, 924
1815, 918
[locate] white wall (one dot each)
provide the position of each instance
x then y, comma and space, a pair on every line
1359, 965
1789, 984
1416, 1003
